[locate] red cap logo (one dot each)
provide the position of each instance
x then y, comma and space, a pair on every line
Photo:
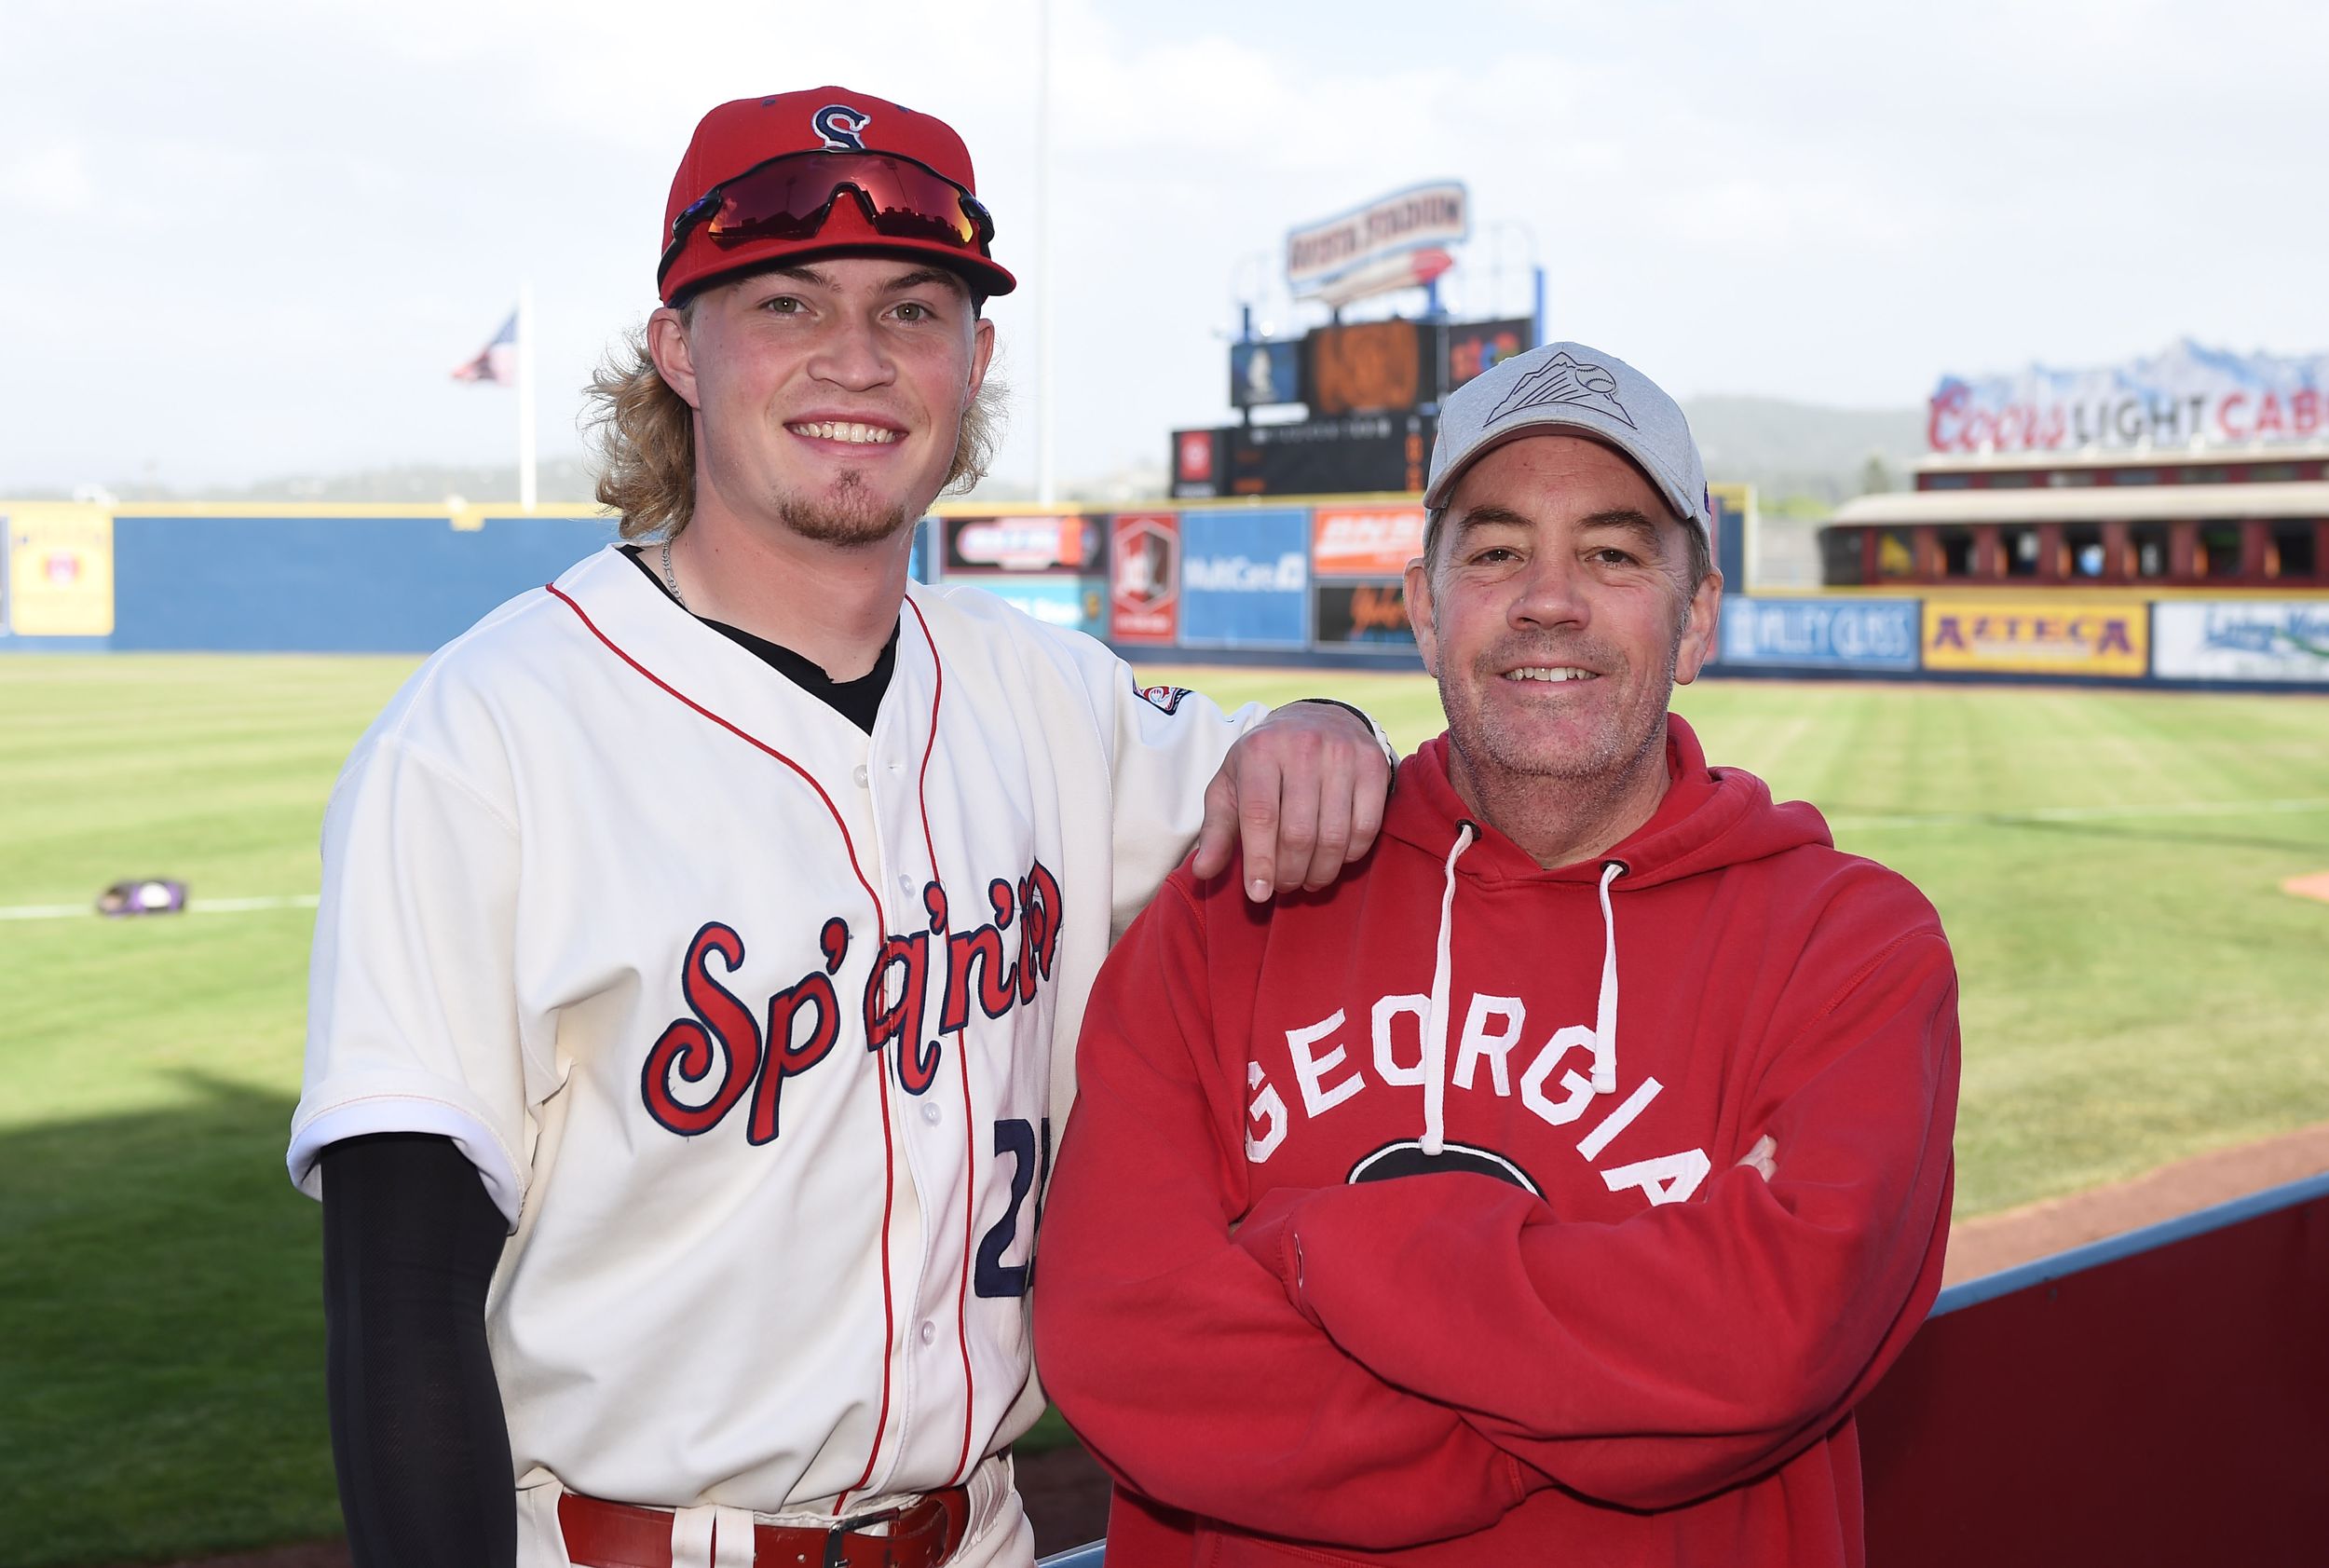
842, 128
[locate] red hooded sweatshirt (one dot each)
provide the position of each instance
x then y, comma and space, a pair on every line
1404, 1222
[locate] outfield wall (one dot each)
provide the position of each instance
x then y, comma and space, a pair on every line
1299, 581
350, 580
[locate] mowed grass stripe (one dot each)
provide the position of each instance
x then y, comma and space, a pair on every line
2135, 988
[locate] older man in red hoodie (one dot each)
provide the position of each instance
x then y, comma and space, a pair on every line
1383, 1231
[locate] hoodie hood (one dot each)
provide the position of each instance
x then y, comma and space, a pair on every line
1706, 821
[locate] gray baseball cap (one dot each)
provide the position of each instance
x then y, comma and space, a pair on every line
1567, 388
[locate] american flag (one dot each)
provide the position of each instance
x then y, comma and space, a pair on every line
498, 361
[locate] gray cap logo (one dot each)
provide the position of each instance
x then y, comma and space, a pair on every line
1563, 380
1573, 387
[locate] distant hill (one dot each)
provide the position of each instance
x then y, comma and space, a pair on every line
1802, 450
1801, 458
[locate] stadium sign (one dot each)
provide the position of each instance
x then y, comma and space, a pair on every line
1380, 246
1820, 634
1020, 544
1376, 541
1144, 577
2091, 638
2274, 640
1245, 579
2187, 395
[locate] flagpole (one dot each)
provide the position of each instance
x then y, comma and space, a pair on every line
1044, 488
525, 396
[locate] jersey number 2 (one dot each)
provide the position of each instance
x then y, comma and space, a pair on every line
1031, 1166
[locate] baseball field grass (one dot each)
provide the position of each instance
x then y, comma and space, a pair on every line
2136, 987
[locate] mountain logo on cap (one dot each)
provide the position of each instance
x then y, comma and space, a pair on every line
842, 128
1563, 380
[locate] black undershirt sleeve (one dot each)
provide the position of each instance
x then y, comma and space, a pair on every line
411, 1240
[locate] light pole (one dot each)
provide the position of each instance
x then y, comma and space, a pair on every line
1046, 487
1537, 272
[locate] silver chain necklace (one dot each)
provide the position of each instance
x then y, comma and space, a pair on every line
672, 583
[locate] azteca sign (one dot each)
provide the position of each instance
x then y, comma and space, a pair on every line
2188, 394
1360, 252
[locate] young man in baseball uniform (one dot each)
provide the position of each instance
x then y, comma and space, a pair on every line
1384, 1231
695, 931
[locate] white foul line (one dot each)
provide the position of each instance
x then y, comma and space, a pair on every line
195, 905
2084, 813
1924, 819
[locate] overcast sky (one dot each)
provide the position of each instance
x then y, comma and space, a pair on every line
241, 239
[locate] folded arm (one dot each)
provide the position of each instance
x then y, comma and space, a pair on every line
1697, 1345
1175, 1354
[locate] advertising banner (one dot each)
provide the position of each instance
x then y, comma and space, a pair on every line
1022, 545
1079, 604
2185, 394
60, 570
1365, 540
1144, 577
1357, 452
1470, 348
1820, 634
1262, 373
1245, 579
2238, 640
2035, 635
1320, 255
1197, 463
1364, 613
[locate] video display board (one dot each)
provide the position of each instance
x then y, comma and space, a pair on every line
1470, 348
1262, 373
1370, 367
1356, 452
1245, 579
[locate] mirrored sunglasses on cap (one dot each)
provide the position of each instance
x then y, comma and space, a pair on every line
789, 199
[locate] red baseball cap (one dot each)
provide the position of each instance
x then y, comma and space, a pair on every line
710, 228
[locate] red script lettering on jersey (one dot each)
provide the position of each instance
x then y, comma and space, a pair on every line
721, 1049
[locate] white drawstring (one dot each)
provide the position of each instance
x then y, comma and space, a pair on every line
1436, 1020
1605, 1015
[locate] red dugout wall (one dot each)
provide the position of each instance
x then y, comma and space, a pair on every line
2160, 1400
2162, 1397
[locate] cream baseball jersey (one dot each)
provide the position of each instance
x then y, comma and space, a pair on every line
745, 1016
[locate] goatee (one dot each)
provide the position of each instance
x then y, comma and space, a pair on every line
846, 515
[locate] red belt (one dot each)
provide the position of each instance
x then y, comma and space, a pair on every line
602, 1534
